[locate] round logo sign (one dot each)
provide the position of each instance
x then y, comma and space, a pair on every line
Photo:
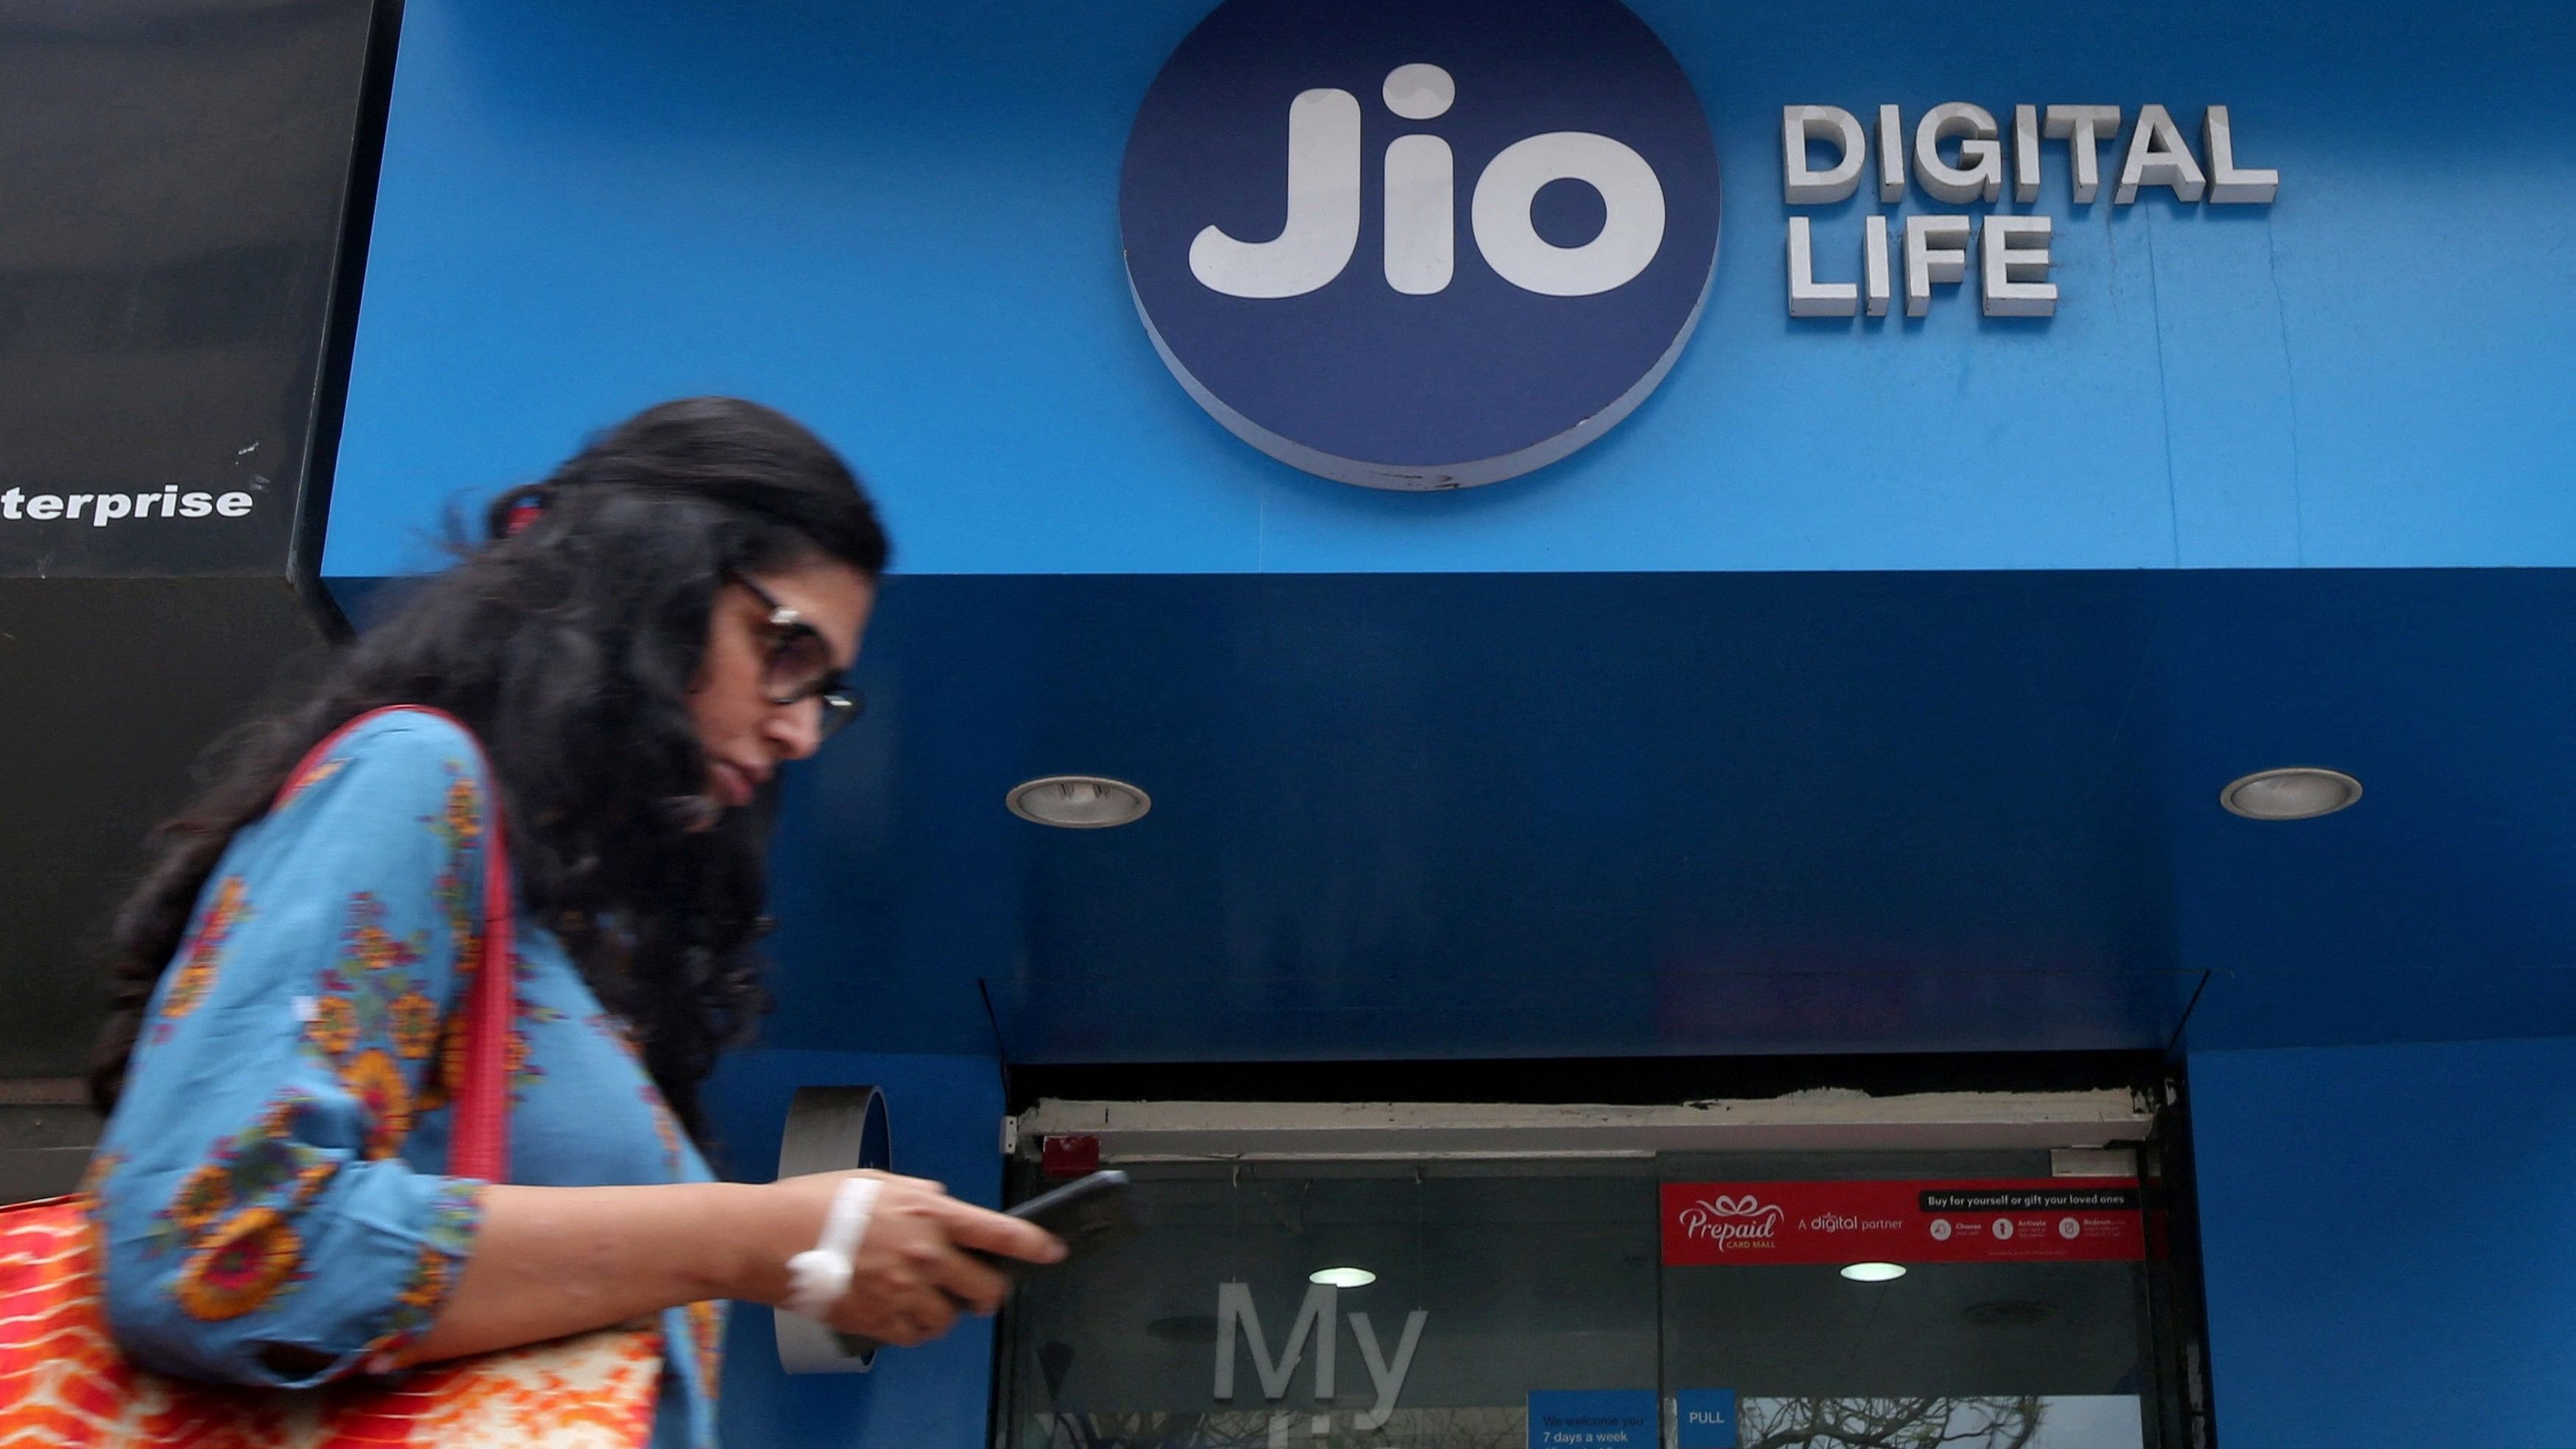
1420, 243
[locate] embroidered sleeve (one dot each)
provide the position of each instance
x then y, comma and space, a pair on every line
261, 1222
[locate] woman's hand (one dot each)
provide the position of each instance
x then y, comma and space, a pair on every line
548, 1261
912, 1274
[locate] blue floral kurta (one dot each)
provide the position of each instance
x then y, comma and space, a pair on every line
273, 1183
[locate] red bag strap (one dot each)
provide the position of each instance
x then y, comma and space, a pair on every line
478, 1143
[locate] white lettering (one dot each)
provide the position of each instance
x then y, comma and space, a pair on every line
2025, 154
1421, 224
1801, 126
1891, 154
1421, 184
1807, 296
2229, 183
1979, 176
1729, 1221
1874, 256
102, 509
1632, 223
1234, 1310
2084, 129
1935, 251
1322, 228
2158, 156
1387, 1379
2016, 269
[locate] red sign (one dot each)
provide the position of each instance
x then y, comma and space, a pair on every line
1062, 1156
2038, 1220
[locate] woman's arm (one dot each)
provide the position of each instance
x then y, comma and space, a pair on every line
261, 1225
549, 1261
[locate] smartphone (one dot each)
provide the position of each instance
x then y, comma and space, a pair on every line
1088, 1213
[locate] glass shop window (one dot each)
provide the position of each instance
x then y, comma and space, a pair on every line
1792, 1301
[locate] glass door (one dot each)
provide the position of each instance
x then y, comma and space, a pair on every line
1341, 1306
1807, 1301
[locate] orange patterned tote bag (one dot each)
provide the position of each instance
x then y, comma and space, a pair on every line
63, 1385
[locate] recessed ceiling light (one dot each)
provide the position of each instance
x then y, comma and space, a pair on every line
1079, 802
2301, 792
1342, 1277
1874, 1272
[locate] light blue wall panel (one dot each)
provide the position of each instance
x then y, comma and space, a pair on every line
899, 222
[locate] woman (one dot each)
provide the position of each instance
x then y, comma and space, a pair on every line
645, 638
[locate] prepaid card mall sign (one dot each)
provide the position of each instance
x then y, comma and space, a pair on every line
1750, 1224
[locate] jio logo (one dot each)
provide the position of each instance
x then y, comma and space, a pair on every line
1420, 243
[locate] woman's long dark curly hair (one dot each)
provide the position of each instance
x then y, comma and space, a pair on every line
568, 642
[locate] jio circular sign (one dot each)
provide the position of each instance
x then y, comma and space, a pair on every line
1420, 243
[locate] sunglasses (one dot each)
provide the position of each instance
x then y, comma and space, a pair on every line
800, 665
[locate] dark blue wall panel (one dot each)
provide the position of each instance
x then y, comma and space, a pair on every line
946, 1116
2388, 1251
1446, 815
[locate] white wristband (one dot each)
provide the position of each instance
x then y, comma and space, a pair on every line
818, 1277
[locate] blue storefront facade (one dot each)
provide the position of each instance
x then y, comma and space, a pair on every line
1864, 687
